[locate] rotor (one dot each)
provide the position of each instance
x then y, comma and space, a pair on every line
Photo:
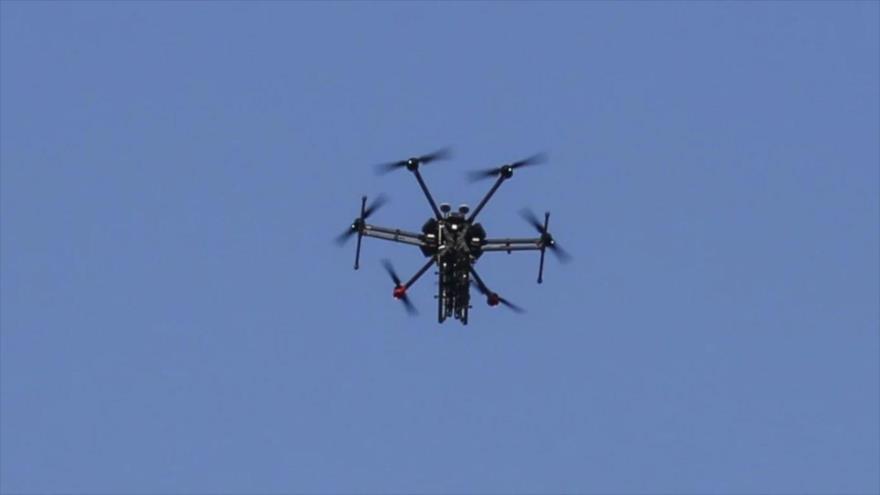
507, 169
414, 162
399, 291
358, 224
547, 240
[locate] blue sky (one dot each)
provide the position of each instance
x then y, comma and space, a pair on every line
175, 318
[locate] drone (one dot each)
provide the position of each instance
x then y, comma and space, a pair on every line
452, 240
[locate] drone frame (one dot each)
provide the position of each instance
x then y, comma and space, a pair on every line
431, 244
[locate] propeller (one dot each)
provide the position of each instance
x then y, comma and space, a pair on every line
415, 161
399, 289
493, 299
358, 222
546, 238
508, 169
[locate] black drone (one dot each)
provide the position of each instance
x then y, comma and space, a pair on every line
453, 241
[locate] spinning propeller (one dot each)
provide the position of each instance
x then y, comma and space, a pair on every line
399, 288
492, 298
547, 240
414, 162
506, 170
358, 224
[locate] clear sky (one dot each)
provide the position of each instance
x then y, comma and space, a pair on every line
176, 319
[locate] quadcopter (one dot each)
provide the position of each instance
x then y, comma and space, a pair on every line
452, 240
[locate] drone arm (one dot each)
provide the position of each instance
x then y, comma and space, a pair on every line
427, 193
486, 198
535, 244
419, 273
511, 247
386, 230
480, 283
394, 235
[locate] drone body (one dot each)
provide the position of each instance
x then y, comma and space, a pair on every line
452, 241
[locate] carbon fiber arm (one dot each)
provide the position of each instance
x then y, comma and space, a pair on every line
526, 244
393, 235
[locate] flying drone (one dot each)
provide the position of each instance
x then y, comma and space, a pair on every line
452, 240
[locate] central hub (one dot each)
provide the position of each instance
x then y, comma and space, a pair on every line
452, 236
